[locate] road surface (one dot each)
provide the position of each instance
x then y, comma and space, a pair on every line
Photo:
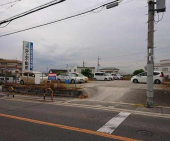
38, 120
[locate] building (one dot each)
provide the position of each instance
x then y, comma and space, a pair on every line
10, 65
79, 69
109, 70
57, 71
163, 66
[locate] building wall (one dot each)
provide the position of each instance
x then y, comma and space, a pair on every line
110, 71
79, 69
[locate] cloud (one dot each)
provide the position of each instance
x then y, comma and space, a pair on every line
118, 31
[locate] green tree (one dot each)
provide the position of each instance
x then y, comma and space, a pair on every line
138, 71
87, 73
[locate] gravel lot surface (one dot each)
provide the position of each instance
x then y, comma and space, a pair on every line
125, 92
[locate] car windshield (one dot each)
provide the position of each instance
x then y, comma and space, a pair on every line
79, 74
72, 75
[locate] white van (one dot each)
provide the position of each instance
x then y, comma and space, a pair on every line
101, 76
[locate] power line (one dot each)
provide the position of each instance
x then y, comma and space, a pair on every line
32, 11
62, 19
9, 2
132, 53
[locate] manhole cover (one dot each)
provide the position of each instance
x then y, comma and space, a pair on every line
92, 116
145, 133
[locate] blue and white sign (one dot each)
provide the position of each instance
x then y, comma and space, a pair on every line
52, 76
27, 58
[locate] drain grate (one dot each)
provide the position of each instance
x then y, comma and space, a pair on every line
145, 133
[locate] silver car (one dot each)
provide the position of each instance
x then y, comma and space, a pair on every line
71, 77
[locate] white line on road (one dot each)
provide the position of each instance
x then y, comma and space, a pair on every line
112, 124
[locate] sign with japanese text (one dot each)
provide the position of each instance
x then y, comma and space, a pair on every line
27, 56
52, 76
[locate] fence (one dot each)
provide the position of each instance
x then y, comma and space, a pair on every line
32, 78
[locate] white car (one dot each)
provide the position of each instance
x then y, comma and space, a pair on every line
142, 77
117, 76
85, 79
110, 76
71, 77
101, 76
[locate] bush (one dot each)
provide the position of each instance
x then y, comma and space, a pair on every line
138, 71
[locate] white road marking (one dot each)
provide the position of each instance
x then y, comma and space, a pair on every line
112, 124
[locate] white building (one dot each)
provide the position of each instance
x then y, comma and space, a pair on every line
79, 69
110, 70
163, 66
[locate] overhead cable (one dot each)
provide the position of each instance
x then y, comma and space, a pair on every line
62, 19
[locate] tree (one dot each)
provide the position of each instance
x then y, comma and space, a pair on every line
87, 73
138, 71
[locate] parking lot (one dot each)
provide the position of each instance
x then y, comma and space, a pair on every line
125, 91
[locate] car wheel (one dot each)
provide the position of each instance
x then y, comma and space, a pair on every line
135, 81
157, 81
72, 81
105, 79
95, 79
22, 82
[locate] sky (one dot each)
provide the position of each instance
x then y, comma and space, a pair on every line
118, 35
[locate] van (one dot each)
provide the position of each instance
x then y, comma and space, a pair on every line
101, 76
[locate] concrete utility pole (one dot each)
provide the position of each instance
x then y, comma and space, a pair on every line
98, 63
150, 53
84, 63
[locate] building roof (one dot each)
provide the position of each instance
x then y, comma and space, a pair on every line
109, 68
87, 67
9, 61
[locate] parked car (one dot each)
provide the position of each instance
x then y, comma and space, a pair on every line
29, 78
110, 76
142, 77
117, 76
101, 76
85, 79
71, 77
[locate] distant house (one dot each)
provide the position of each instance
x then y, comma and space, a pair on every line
79, 69
109, 70
57, 71
10, 65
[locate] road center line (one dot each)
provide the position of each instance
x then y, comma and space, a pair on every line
112, 124
68, 128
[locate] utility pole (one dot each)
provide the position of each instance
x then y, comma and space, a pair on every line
98, 63
150, 53
84, 63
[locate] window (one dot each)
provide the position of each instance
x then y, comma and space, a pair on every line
155, 73
25, 74
74, 70
69, 70
32, 75
164, 69
143, 74
97, 74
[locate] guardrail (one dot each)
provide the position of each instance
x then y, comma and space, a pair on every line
51, 93
8, 92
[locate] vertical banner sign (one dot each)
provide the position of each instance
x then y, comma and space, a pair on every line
31, 56
27, 58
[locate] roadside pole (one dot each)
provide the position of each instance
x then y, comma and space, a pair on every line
150, 53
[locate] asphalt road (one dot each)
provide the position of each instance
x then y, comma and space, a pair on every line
37, 120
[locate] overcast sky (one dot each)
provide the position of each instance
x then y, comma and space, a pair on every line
115, 34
